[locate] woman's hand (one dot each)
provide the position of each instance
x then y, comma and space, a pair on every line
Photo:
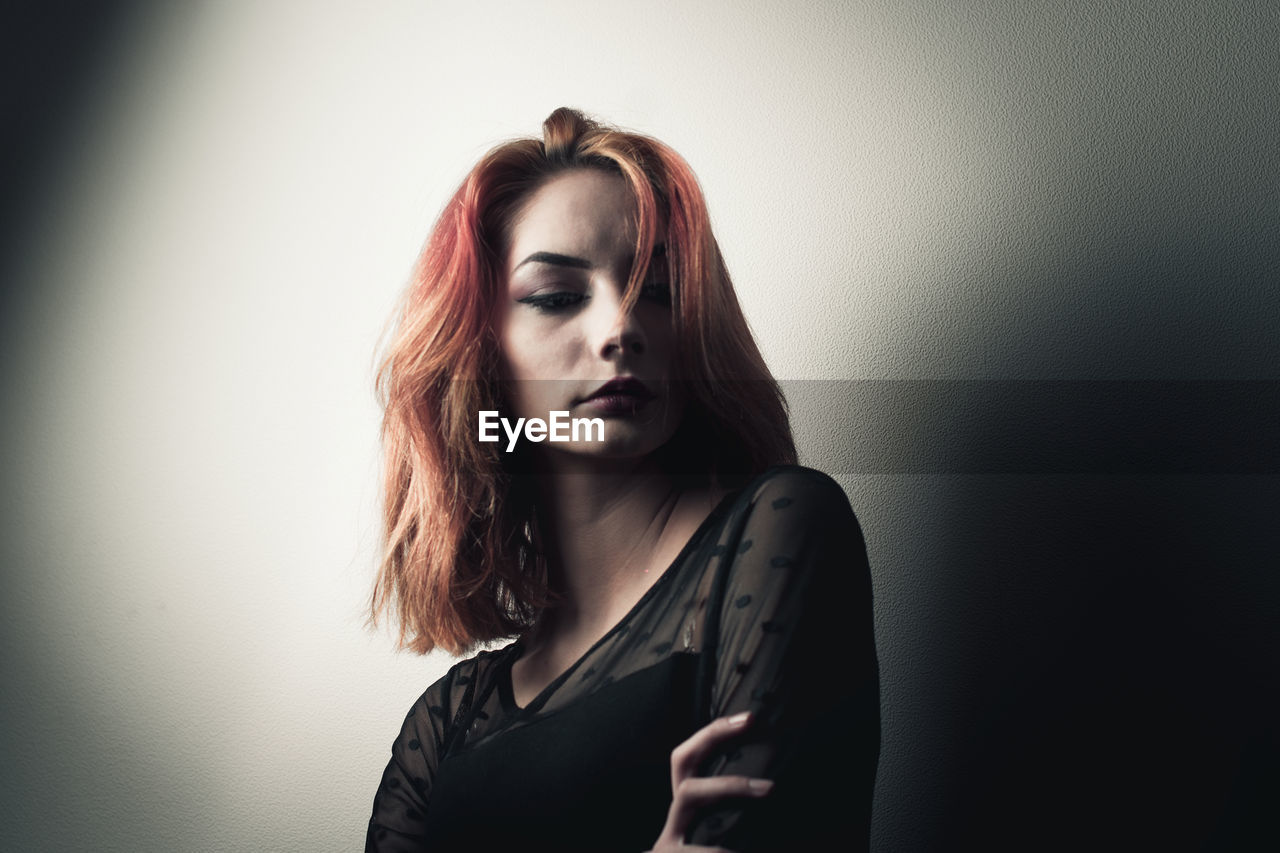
690, 793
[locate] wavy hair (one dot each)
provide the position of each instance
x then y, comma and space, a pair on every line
458, 564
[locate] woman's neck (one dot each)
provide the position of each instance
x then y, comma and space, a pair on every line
608, 529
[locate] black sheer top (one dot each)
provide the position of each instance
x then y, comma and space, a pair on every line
767, 608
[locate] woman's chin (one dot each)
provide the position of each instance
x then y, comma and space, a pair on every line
620, 447
621, 450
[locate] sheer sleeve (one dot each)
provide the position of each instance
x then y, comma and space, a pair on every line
400, 805
795, 644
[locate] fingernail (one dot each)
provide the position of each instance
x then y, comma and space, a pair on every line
740, 718
760, 786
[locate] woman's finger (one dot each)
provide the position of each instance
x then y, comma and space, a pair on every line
696, 792
686, 757
690, 792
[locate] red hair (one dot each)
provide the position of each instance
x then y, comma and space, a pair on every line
458, 567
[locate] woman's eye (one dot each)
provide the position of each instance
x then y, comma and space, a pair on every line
657, 290
550, 303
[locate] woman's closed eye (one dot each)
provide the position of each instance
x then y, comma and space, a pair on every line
657, 290
553, 302
560, 301
657, 284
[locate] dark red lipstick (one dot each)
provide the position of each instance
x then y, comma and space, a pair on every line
623, 395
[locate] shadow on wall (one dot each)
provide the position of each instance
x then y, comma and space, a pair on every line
1111, 578
1094, 638
1078, 608
56, 53
1115, 635
1107, 602
62, 746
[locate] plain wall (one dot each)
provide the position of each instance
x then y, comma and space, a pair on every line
1015, 263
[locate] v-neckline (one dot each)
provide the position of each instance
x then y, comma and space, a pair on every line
506, 685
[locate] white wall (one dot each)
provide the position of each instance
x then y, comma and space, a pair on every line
902, 191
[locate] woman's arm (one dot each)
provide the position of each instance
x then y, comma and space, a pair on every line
796, 647
400, 805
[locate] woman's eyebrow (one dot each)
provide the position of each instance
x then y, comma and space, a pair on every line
556, 259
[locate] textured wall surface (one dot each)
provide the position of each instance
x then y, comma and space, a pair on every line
1016, 264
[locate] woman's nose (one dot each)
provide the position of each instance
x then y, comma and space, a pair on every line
620, 333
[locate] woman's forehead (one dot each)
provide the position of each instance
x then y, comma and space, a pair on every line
583, 211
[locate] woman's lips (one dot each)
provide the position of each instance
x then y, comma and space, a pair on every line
615, 404
617, 397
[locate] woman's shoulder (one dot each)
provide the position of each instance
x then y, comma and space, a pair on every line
794, 518
806, 492
794, 561
439, 703
470, 673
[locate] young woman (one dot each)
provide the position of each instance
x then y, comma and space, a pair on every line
694, 661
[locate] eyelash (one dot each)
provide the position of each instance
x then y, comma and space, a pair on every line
560, 301
552, 303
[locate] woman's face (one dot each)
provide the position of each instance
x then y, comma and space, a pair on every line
566, 344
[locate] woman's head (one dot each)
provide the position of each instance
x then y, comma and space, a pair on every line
568, 342
559, 264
